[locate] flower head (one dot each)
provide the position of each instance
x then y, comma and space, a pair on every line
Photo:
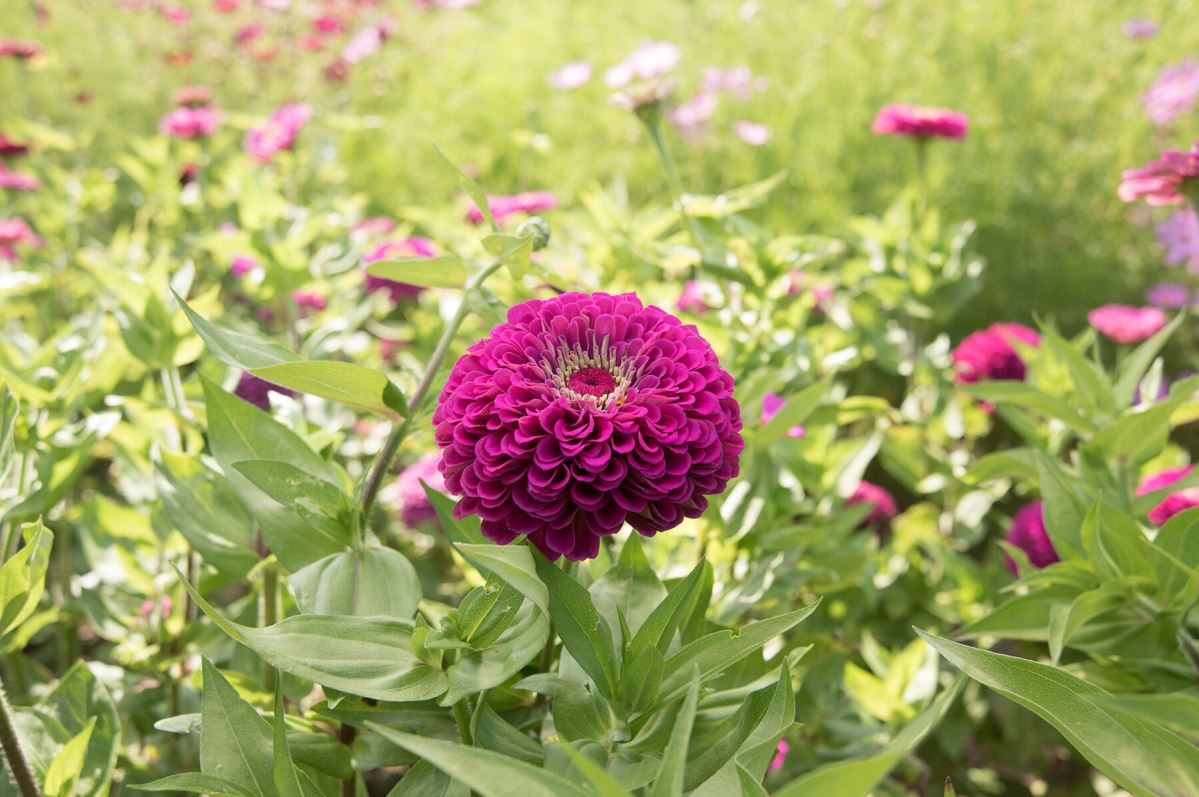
256, 390
188, 122
1163, 181
752, 133
309, 300
22, 51
16, 232
1176, 501
241, 265
581, 413
279, 133
989, 354
692, 299
1173, 93
1028, 533
571, 76
780, 756
651, 60
882, 505
193, 96
736, 81
504, 206
1179, 237
10, 148
1125, 324
1170, 295
415, 508
690, 117
17, 181
920, 122
413, 246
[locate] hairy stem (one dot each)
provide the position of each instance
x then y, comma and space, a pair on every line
18, 763
462, 717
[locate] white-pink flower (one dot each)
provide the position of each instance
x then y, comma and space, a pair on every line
571, 76
752, 133
737, 81
689, 117
649, 61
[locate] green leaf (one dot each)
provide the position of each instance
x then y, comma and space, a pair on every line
1090, 382
76, 701
444, 271
583, 631
488, 773
368, 582
471, 187
1024, 395
465, 530
750, 786
235, 742
23, 577
287, 784
659, 628
513, 564
196, 783
478, 670
1132, 369
64, 769
345, 382
1021, 617
292, 487
1063, 510
728, 735
1138, 754
734, 200
206, 510
1179, 540
794, 412
10, 408
1134, 437
426, 780
1178, 711
601, 782
491, 732
669, 780
1067, 619
244, 350
362, 656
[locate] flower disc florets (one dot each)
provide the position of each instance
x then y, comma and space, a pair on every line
584, 412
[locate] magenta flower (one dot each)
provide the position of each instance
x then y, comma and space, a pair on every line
1179, 236
1173, 93
690, 116
883, 508
415, 509
989, 354
376, 225
651, 60
1173, 503
571, 76
190, 123
1125, 324
753, 134
17, 181
22, 51
692, 300
241, 265
193, 96
584, 412
1140, 28
256, 390
504, 206
175, 14
771, 404
16, 232
412, 246
10, 148
780, 756
1028, 533
1170, 295
309, 300
920, 122
248, 33
1164, 181
279, 133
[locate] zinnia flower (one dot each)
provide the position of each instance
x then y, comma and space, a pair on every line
362, 44
412, 246
308, 299
692, 300
504, 206
753, 134
1173, 93
1125, 324
920, 122
883, 509
1029, 535
17, 232
256, 390
376, 225
1164, 181
1173, 503
189, 123
651, 60
241, 265
279, 133
771, 404
989, 354
415, 508
1179, 236
584, 412
16, 181
22, 51
690, 117
571, 76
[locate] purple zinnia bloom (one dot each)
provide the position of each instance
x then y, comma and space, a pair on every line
1125, 324
1029, 535
581, 413
415, 508
279, 132
1173, 503
771, 404
1173, 93
1140, 28
883, 509
1179, 236
989, 354
412, 246
188, 122
255, 389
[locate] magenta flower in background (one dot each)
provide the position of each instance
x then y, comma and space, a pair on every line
1169, 295
1163, 181
16, 232
412, 246
188, 123
1173, 503
504, 206
771, 404
1173, 93
691, 299
1028, 533
248, 33
581, 413
17, 181
1140, 28
989, 354
753, 134
241, 265
1125, 324
651, 60
571, 76
22, 51
690, 116
279, 133
193, 96
363, 44
1179, 236
780, 756
376, 225
415, 508
257, 390
920, 122
309, 300
736, 81
10, 148
883, 508
175, 14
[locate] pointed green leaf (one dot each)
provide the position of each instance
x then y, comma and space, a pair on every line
23, 577
584, 633
443, 271
235, 742
367, 582
670, 778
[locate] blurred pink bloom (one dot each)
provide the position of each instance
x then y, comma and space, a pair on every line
691, 299
376, 225
388, 348
990, 354
16, 232
1125, 324
190, 123
22, 51
780, 756
226, 6
737, 81
650, 60
1028, 533
279, 133
1179, 236
1173, 93
749, 10
503, 206
753, 134
362, 44
446, 5
415, 508
176, 14
241, 265
164, 602
690, 117
413, 246
1140, 28
771, 404
1162, 182
1170, 295
193, 96
10, 148
248, 33
1173, 503
920, 122
16, 181
883, 505
308, 299
571, 76
327, 24
311, 44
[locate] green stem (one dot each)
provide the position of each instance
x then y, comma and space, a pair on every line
921, 179
18, 763
462, 717
676, 183
270, 615
374, 480
345, 735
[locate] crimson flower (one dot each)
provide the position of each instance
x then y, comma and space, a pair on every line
1164, 181
1028, 533
918, 122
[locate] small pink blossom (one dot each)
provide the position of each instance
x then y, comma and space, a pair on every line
17, 181
1179, 237
1169, 295
241, 265
308, 299
193, 96
753, 134
736, 81
226, 6
503, 206
780, 756
415, 507
147, 607
1173, 503
651, 60
327, 24
311, 44
248, 33
363, 44
771, 404
1140, 28
691, 299
1125, 324
413, 246
279, 133
571, 76
1173, 93
175, 14
883, 508
22, 51
376, 225
16, 232
1163, 181
920, 122
690, 117
188, 123
10, 148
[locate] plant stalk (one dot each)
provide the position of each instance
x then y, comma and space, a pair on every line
676, 183
18, 763
462, 717
270, 615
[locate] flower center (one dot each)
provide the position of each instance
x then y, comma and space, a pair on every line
592, 382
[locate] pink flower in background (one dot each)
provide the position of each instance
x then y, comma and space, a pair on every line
413, 246
1173, 503
504, 206
22, 51
193, 96
327, 24
1163, 181
16, 181
920, 122
1125, 324
10, 148
771, 404
1179, 236
1140, 28
737, 81
691, 299
16, 232
279, 133
690, 117
883, 508
257, 390
175, 14
415, 508
308, 299
188, 123
388, 348
651, 60
226, 6
1169, 295
1173, 93
989, 354
311, 44
753, 134
248, 33
362, 44
571, 76
376, 225
241, 265
749, 10
147, 607
584, 412
780, 756
1028, 533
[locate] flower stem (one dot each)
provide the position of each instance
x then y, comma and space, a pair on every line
676, 183
382, 462
462, 717
921, 179
18, 763
270, 615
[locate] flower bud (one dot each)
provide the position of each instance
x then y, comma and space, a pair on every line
539, 228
